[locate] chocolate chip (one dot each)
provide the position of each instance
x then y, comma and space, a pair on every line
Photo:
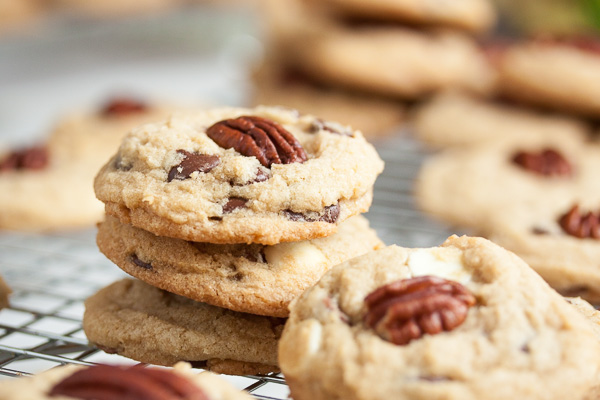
198, 363
122, 106
332, 127
215, 218
331, 214
140, 263
237, 277
233, 204
193, 162
120, 165
539, 231
294, 216
261, 176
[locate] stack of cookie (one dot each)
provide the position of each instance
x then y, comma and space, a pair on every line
361, 61
225, 216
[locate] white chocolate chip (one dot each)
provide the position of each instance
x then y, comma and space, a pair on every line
444, 263
296, 254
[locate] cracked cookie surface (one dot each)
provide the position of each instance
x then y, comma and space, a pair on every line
240, 198
519, 339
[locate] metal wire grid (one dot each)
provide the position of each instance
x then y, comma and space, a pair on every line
51, 276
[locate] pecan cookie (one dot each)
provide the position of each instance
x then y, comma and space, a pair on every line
561, 74
48, 186
523, 197
457, 119
466, 320
470, 15
250, 278
235, 175
112, 381
153, 326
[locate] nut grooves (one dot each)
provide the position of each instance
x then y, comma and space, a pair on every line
254, 136
407, 309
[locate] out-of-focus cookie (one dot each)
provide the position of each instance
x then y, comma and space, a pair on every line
4, 293
112, 381
235, 175
150, 325
392, 61
562, 74
250, 278
49, 186
561, 243
457, 119
466, 320
470, 15
17, 14
274, 83
522, 197
114, 8
466, 186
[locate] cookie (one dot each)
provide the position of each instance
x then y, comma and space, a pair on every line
388, 60
562, 75
467, 186
18, 14
234, 175
4, 293
114, 8
466, 320
111, 381
153, 326
253, 278
276, 83
49, 186
469, 15
458, 119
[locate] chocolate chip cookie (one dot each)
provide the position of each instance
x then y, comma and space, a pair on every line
111, 381
150, 325
458, 119
235, 175
48, 186
466, 320
250, 278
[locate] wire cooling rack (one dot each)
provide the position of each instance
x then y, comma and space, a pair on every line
51, 276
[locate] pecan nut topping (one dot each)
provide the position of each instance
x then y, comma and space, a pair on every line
581, 226
254, 136
407, 309
119, 107
33, 158
548, 163
108, 382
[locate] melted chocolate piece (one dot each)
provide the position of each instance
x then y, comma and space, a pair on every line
193, 162
330, 214
140, 263
233, 204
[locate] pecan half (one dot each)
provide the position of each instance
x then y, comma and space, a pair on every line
254, 136
123, 106
581, 226
548, 163
193, 162
407, 309
30, 158
108, 382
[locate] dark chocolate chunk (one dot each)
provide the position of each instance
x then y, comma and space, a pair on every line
233, 204
140, 263
193, 162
